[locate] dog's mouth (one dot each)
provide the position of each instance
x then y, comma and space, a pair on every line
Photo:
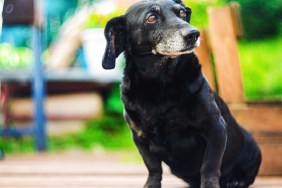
174, 54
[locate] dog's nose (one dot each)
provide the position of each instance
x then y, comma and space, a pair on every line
191, 35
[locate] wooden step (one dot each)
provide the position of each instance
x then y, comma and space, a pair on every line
85, 170
264, 121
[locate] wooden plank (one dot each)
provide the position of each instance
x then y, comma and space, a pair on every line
101, 170
265, 122
237, 21
84, 181
271, 159
78, 170
224, 46
203, 54
60, 106
259, 118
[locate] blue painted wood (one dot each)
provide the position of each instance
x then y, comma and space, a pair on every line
38, 129
17, 131
39, 93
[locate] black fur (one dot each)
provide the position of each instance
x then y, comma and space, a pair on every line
169, 106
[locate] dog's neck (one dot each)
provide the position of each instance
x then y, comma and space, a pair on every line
151, 67
158, 70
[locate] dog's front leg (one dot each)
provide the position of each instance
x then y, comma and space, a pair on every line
216, 138
208, 118
152, 162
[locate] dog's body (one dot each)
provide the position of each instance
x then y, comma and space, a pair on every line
172, 112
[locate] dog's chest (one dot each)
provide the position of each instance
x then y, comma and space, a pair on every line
176, 142
167, 112
165, 123
152, 108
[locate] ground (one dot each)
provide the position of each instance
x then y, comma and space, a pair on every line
83, 170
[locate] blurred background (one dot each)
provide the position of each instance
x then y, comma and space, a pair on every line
83, 106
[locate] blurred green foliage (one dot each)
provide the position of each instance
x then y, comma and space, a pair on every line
262, 68
17, 145
114, 103
15, 57
109, 132
99, 21
199, 16
261, 18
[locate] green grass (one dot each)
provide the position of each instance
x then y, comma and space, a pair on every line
261, 63
109, 132
17, 145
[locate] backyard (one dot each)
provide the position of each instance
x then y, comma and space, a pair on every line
88, 141
261, 67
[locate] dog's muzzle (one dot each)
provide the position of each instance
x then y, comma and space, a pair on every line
190, 35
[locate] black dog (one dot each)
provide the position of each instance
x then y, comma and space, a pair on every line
172, 112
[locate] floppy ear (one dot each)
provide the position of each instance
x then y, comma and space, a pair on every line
115, 34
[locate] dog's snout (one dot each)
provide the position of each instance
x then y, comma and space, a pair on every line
191, 35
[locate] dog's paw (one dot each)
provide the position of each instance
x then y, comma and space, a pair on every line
210, 183
236, 184
152, 184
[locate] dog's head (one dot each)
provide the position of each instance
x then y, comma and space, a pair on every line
151, 27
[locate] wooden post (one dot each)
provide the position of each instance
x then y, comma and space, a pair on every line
204, 58
226, 56
237, 21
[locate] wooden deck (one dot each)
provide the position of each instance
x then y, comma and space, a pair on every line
77, 170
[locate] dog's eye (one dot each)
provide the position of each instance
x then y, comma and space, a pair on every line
152, 18
182, 14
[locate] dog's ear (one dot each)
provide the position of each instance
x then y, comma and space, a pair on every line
115, 34
188, 14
